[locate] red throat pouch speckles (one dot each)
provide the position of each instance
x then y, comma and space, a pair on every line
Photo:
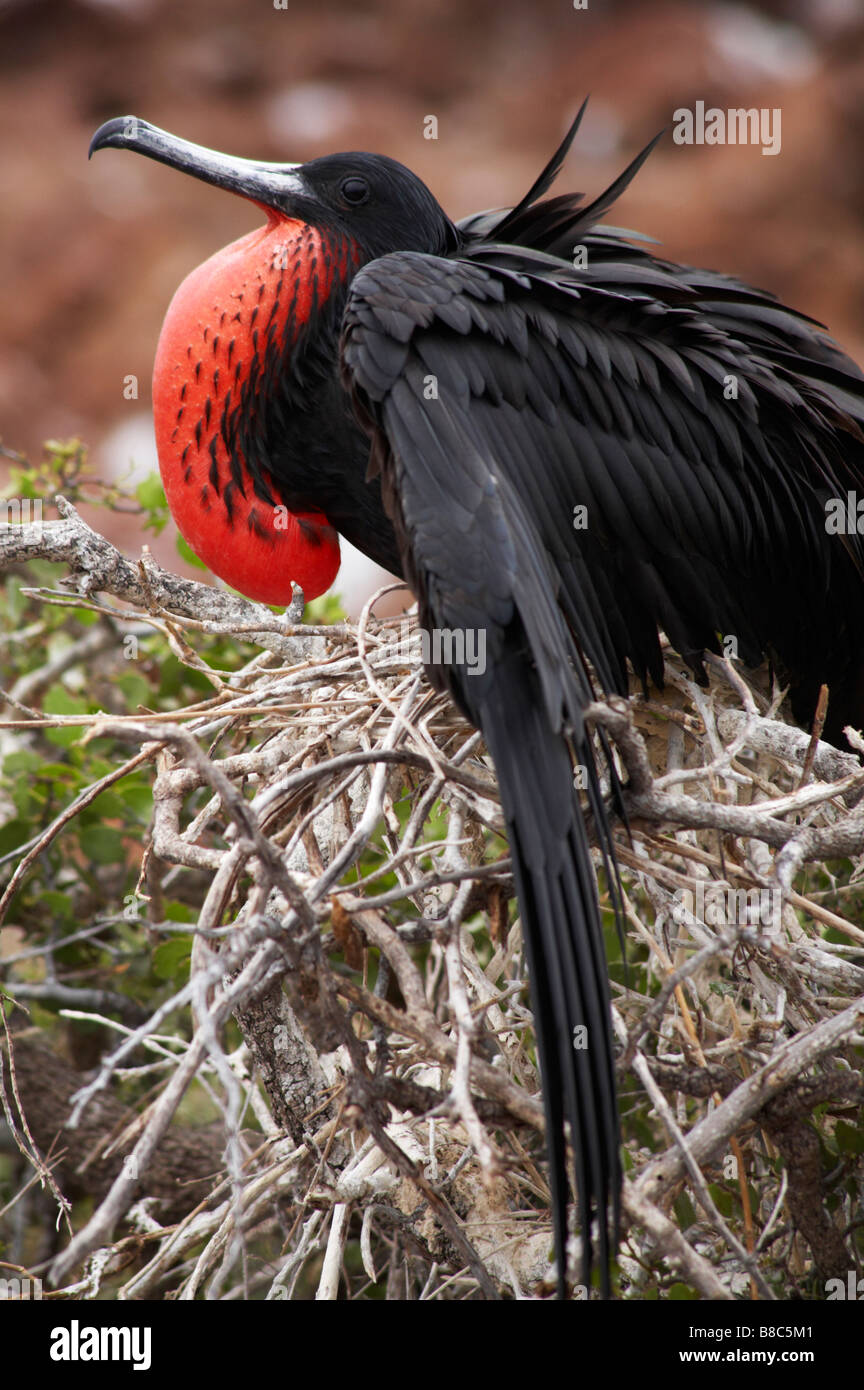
247, 298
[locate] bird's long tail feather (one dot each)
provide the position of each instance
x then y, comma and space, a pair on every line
564, 945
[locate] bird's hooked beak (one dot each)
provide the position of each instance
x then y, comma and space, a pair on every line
271, 186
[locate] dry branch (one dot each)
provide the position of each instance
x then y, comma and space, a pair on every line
373, 962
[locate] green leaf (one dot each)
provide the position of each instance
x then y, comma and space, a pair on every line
151, 494
14, 833
151, 497
59, 700
723, 1199
171, 958
58, 904
188, 554
107, 806
324, 610
850, 1139
179, 912
136, 689
65, 737
85, 617
58, 772
15, 600
23, 761
137, 799
684, 1211
102, 844
25, 799
23, 483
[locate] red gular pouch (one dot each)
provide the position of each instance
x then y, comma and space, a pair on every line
243, 307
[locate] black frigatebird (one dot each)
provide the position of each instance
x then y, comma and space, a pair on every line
558, 439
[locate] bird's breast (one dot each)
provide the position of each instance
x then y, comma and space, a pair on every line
228, 331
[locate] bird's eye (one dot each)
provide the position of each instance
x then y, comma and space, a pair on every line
355, 190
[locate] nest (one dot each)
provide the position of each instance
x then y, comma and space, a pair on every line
360, 998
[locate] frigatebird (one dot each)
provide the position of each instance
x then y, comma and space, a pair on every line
558, 439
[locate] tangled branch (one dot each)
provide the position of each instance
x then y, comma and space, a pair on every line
358, 988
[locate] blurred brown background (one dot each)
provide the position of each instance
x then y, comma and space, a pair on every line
91, 253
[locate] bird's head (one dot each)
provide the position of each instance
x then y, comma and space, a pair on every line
374, 201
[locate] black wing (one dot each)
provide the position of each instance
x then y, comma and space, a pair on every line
575, 455
476, 556
702, 427
502, 391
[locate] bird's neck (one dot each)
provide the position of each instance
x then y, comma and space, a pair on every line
239, 327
